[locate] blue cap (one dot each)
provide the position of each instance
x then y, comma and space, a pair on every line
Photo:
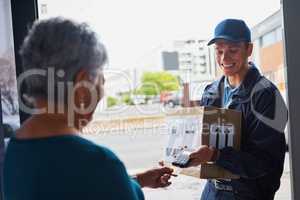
234, 30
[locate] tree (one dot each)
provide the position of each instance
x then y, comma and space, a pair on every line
111, 101
153, 83
127, 99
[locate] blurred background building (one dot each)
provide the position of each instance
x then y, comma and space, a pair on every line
268, 50
195, 62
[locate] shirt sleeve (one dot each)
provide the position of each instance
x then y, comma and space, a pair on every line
123, 187
109, 180
263, 149
137, 188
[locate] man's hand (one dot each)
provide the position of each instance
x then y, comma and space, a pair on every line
203, 155
155, 178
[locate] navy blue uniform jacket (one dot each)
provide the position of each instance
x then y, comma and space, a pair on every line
264, 116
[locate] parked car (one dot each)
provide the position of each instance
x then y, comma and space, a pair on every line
171, 99
139, 99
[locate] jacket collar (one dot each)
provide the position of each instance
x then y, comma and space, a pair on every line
252, 77
244, 90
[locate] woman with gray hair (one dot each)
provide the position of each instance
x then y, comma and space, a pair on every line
47, 159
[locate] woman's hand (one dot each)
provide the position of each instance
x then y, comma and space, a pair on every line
155, 178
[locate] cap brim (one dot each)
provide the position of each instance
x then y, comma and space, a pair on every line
223, 37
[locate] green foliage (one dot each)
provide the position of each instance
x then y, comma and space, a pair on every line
127, 99
153, 83
111, 101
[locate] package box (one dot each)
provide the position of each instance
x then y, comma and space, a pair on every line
191, 127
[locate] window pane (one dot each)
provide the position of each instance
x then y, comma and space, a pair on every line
269, 38
9, 96
137, 47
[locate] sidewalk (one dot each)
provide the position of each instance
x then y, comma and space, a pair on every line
189, 188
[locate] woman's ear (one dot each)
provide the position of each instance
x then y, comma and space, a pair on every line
81, 92
85, 97
81, 76
88, 89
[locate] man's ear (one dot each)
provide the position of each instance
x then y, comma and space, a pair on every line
249, 49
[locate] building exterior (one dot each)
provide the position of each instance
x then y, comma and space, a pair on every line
195, 60
267, 37
196, 65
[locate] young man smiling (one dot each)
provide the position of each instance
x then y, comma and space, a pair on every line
259, 163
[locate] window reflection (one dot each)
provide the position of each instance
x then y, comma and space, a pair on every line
9, 95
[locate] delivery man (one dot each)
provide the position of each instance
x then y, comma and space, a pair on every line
259, 163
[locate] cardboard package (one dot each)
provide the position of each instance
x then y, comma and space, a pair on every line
191, 127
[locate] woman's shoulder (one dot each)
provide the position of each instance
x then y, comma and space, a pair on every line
91, 149
67, 146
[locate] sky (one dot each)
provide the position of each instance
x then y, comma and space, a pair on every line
136, 31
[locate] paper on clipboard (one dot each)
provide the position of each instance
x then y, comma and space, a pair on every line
184, 134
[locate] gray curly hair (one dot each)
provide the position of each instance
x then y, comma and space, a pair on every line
62, 45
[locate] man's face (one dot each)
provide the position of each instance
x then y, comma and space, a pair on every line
232, 57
